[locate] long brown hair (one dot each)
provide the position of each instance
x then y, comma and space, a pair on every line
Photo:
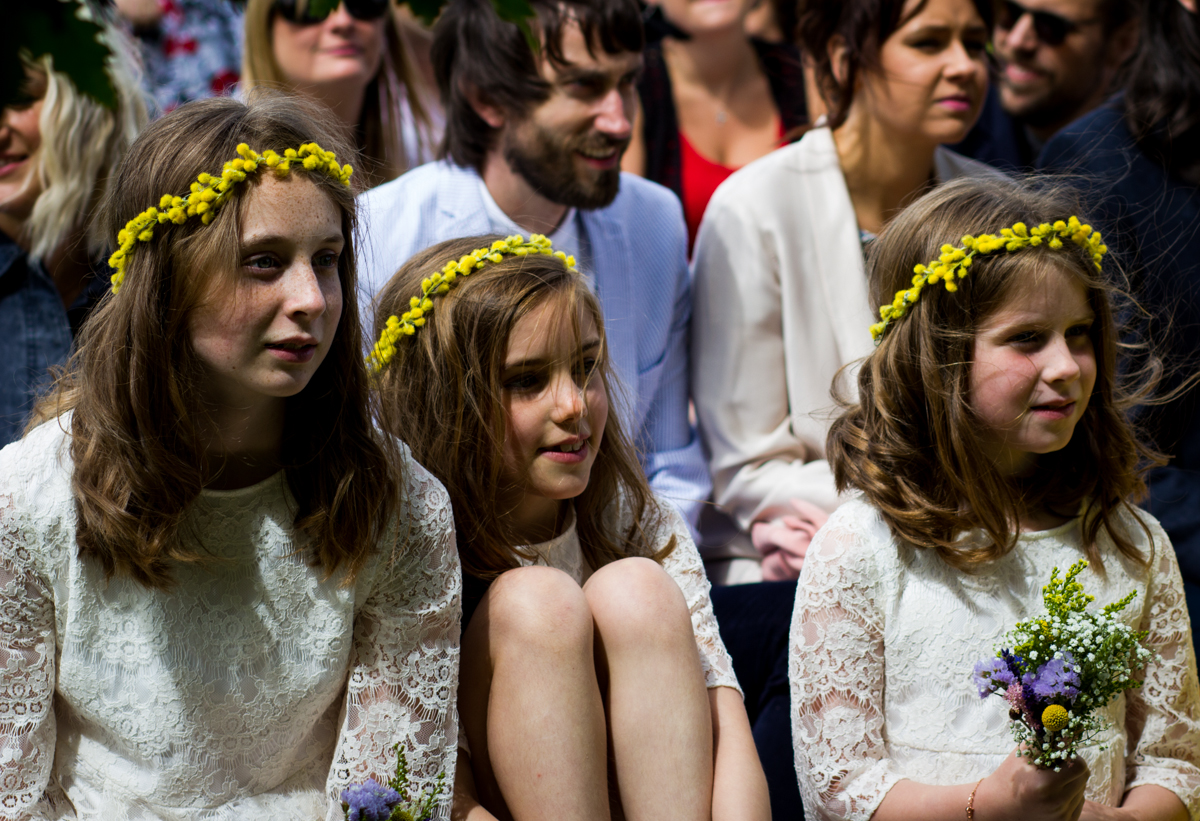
913, 445
133, 383
442, 395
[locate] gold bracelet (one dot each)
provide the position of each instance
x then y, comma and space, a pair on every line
971, 802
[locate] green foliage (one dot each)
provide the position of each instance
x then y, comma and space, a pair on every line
37, 27
410, 808
1070, 659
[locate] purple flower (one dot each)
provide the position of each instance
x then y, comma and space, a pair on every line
1054, 679
992, 675
369, 801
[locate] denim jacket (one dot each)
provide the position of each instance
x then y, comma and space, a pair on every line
34, 335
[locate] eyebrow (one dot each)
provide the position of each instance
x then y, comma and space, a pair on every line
538, 361
942, 28
277, 239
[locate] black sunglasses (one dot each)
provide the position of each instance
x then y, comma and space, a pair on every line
1050, 28
299, 11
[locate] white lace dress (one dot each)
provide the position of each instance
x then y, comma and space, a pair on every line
883, 645
253, 689
684, 566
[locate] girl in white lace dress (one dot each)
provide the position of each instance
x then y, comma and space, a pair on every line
590, 636
989, 446
224, 595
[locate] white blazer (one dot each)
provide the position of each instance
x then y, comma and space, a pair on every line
779, 306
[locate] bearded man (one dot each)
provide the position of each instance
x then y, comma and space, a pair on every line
533, 144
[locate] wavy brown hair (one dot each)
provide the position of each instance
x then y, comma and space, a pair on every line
912, 444
442, 395
134, 383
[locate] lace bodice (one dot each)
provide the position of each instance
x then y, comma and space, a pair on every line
254, 689
884, 639
685, 567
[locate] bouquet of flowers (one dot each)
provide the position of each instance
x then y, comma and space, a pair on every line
372, 801
1059, 669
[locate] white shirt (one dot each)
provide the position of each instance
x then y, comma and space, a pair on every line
253, 689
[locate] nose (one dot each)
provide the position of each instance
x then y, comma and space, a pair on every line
1061, 364
961, 66
340, 18
615, 114
1023, 35
570, 401
303, 294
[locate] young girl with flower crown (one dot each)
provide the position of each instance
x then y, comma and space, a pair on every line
225, 595
989, 446
594, 680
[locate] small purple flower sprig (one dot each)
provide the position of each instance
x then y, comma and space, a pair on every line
372, 801
1059, 669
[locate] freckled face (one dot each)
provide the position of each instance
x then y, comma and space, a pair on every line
262, 333
556, 408
1033, 370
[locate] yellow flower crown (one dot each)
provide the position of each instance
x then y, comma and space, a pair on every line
208, 193
443, 280
955, 263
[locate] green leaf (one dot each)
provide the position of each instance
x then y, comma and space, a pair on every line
514, 11
322, 8
38, 27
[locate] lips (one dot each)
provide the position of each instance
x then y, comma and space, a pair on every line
1021, 75
10, 162
296, 351
569, 452
1055, 410
956, 102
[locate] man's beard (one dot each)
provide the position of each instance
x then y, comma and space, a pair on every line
547, 162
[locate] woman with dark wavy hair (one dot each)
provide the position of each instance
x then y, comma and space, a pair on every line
225, 593
1139, 158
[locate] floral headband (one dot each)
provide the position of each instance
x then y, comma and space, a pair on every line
955, 263
208, 193
441, 281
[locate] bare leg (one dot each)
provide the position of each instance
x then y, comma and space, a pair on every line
529, 701
660, 719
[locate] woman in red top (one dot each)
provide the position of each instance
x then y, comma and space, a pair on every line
712, 100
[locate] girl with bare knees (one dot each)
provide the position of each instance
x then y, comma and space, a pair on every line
594, 682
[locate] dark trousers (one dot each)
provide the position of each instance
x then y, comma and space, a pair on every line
754, 621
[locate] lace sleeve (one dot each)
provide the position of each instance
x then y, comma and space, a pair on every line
404, 662
687, 569
1163, 715
27, 658
836, 670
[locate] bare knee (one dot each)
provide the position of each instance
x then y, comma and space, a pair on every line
635, 598
535, 608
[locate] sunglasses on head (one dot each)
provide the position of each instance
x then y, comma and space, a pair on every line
1050, 28
300, 12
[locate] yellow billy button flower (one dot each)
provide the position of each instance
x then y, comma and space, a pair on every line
442, 280
955, 263
1055, 718
208, 193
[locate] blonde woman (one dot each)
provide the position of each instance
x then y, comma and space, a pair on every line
58, 150
353, 61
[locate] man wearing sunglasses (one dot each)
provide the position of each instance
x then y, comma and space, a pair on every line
1057, 60
533, 145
